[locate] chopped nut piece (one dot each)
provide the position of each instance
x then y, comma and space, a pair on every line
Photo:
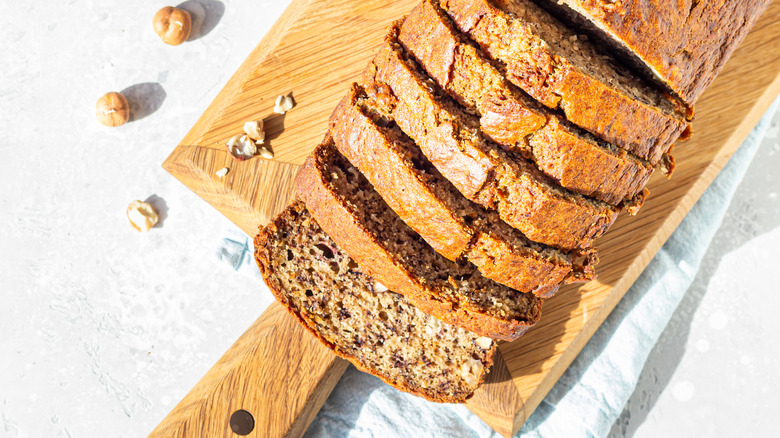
142, 215
667, 165
232, 141
222, 172
265, 153
254, 130
241, 148
483, 342
283, 104
433, 327
379, 287
470, 370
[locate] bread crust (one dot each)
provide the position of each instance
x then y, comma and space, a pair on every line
518, 191
263, 260
514, 121
686, 43
336, 218
557, 83
366, 146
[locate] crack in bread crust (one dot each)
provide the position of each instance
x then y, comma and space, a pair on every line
564, 71
575, 159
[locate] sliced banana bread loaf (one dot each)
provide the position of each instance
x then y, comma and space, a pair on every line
524, 197
684, 43
563, 70
429, 204
365, 227
575, 159
377, 330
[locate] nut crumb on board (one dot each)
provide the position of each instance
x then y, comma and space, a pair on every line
265, 153
283, 104
241, 147
254, 129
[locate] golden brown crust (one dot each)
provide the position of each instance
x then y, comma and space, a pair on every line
531, 207
515, 188
611, 176
513, 121
417, 113
348, 232
686, 42
337, 220
498, 261
263, 259
366, 146
557, 83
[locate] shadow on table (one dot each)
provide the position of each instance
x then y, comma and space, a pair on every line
144, 99
205, 14
161, 207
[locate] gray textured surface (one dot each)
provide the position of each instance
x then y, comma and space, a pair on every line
103, 330
713, 372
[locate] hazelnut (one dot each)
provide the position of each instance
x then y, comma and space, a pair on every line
112, 109
241, 147
142, 215
172, 25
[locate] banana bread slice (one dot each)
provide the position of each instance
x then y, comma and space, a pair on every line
379, 331
684, 44
564, 70
523, 196
575, 159
454, 226
365, 227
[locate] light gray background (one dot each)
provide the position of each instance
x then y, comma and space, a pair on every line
103, 329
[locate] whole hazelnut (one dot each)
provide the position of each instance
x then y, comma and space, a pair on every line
112, 109
172, 25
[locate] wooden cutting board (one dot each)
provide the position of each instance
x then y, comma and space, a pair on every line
274, 379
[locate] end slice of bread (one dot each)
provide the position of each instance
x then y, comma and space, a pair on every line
377, 330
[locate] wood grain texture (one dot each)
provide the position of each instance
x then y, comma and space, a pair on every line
257, 376
725, 115
294, 57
